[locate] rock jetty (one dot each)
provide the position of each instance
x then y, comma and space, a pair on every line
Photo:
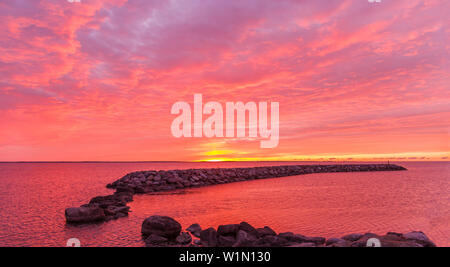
162, 231
104, 208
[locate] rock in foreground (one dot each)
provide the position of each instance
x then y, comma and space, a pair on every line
85, 214
245, 235
102, 208
161, 226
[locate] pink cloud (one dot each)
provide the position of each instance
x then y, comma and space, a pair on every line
83, 81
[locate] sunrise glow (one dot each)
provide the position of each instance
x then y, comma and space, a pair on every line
95, 80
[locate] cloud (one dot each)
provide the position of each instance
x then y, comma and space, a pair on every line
101, 76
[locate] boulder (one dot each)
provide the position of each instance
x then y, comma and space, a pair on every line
155, 240
85, 214
296, 238
315, 240
162, 226
208, 237
288, 236
332, 241
394, 234
272, 241
184, 238
112, 210
265, 231
420, 238
105, 201
229, 229
305, 239
226, 241
244, 239
246, 227
194, 229
352, 237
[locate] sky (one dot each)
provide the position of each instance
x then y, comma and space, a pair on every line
96, 80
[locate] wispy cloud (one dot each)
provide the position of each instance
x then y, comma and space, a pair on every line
95, 80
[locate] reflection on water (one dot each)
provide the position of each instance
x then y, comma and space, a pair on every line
33, 197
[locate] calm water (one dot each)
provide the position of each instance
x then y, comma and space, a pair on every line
33, 197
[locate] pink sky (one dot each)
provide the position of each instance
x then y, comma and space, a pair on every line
96, 80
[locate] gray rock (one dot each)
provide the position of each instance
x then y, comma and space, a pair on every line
288, 236
420, 238
352, 237
162, 226
112, 210
229, 229
316, 240
296, 238
184, 238
209, 237
332, 241
301, 239
273, 241
194, 229
244, 239
105, 201
85, 214
265, 231
246, 227
153, 240
226, 241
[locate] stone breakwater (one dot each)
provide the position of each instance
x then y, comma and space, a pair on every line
104, 208
163, 231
